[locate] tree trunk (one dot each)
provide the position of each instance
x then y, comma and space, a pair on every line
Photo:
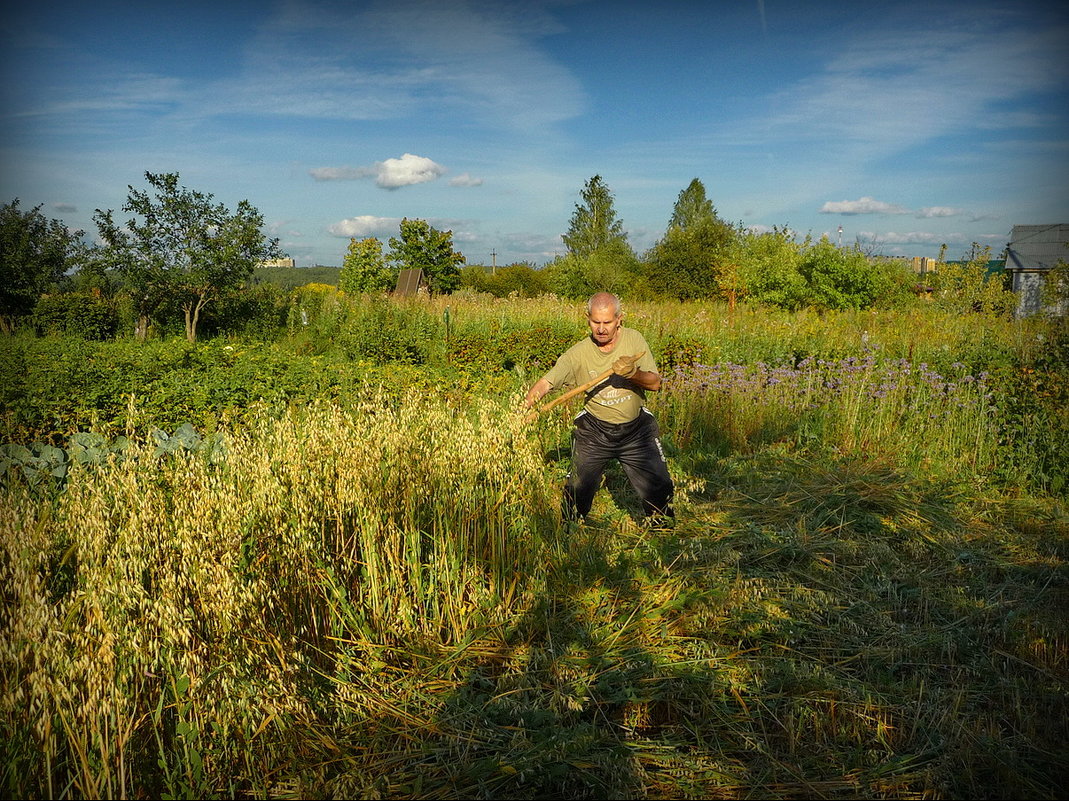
141, 328
192, 311
191, 324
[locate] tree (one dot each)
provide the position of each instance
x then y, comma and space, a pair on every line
693, 262
183, 245
35, 253
593, 224
364, 268
837, 278
523, 279
692, 207
768, 268
613, 267
1055, 292
966, 286
693, 258
425, 248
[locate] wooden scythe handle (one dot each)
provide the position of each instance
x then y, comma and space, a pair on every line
593, 382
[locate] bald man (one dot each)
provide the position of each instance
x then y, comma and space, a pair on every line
614, 422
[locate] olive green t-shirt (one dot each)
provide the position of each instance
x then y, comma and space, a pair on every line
615, 400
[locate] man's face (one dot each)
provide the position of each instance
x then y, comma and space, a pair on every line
604, 324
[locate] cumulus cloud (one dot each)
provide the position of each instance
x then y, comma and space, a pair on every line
389, 174
464, 179
405, 171
365, 225
865, 205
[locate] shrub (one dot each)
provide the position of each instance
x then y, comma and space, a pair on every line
85, 315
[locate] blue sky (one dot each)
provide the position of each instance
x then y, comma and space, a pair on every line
908, 124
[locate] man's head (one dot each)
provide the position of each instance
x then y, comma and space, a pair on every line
604, 316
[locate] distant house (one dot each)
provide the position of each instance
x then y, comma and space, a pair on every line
411, 283
286, 262
1032, 252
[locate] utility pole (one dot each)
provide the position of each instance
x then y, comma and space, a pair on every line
840, 236
493, 265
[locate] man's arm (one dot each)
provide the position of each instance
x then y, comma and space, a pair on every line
536, 392
646, 379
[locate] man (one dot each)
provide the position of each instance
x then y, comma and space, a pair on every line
614, 422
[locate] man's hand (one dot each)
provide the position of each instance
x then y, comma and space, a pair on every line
625, 366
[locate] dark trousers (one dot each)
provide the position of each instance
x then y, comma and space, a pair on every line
637, 446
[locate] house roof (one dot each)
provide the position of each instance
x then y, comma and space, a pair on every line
1037, 247
409, 282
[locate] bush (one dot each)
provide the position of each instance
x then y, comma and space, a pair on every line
838, 278
85, 315
382, 330
519, 280
256, 312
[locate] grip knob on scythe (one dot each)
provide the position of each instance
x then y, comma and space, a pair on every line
581, 388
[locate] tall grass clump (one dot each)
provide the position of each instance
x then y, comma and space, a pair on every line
853, 405
169, 621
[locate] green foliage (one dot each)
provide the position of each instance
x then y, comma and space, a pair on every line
499, 346
522, 280
611, 268
256, 312
34, 254
85, 315
1055, 292
364, 268
896, 285
838, 278
693, 262
293, 277
594, 225
680, 351
38, 464
379, 330
185, 439
768, 266
423, 247
967, 286
45, 467
367, 593
692, 207
181, 245
1033, 402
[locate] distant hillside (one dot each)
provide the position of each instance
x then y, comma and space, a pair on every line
292, 277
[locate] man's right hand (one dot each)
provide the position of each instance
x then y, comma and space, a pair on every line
625, 366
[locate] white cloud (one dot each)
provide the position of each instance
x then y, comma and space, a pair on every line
405, 171
365, 225
388, 174
340, 173
939, 211
911, 237
403, 58
880, 95
865, 205
464, 179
